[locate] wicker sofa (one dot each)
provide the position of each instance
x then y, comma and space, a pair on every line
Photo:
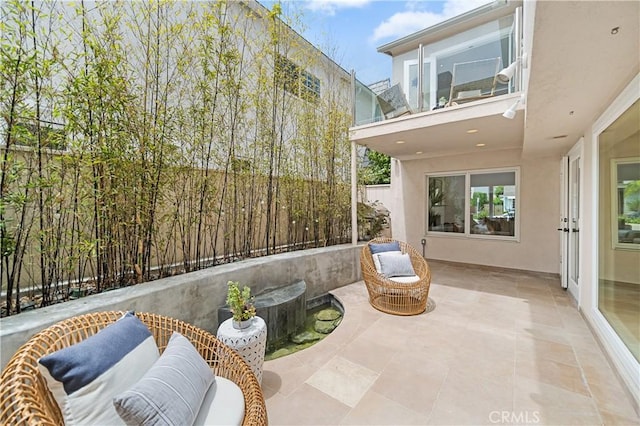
390, 296
25, 398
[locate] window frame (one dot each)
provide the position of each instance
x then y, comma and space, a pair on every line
467, 205
296, 80
615, 200
426, 65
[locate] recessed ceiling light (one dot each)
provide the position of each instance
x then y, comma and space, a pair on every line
481, 144
615, 30
399, 142
472, 131
418, 152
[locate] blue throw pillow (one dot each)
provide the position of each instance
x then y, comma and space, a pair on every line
382, 247
85, 377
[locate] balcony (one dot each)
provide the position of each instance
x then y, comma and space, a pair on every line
461, 74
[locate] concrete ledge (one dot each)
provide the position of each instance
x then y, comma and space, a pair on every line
195, 297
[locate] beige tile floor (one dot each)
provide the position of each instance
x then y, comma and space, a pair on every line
499, 348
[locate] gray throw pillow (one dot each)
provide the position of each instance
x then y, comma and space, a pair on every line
171, 392
395, 264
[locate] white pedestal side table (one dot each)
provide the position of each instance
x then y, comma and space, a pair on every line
249, 342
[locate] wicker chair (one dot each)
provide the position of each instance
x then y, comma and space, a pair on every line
392, 297
26, 400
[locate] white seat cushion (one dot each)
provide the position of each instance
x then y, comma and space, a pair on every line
223, 404
406, 280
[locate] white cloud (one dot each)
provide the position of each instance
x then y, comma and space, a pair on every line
456, 7
415, 19
330, 6
403, 23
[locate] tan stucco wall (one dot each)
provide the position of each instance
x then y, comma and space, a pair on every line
538, 247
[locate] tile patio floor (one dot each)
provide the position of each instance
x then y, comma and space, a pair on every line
499, 348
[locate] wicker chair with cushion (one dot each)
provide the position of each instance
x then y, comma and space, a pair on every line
395, 295
26, 399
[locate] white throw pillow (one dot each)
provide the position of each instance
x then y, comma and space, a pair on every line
84, 377
394, 264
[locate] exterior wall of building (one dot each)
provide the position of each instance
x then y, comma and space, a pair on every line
397, 67
538, 246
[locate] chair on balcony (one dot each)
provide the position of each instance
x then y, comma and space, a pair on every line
399, 295
25, 397
393, 102
474, 80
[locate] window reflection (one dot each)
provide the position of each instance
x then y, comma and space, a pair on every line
627, 201
446, 203
493, 203
618, 246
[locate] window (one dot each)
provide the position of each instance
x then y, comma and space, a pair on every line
626, 203
52, 135
310, 89
490, 203
446, 203
618, 213
411, 84
296, 80
288, 74
493, 203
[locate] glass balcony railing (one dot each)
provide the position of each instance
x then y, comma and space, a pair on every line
367, 107
464, 67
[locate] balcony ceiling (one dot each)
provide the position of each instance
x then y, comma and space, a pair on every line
577, 67
444, 131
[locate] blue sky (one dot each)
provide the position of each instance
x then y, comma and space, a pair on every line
350, 31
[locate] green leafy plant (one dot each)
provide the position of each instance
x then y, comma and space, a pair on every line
153, 147
482, 214
378, 171
240, 302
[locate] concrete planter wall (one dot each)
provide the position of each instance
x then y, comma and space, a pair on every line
195, 297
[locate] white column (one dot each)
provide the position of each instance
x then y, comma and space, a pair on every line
354, 193
420, 74
354, 167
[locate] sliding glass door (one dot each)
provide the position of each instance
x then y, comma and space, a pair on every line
619, 227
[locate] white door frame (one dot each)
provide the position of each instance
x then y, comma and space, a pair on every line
563, 221
571, 218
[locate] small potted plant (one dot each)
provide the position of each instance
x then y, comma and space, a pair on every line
240, 303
